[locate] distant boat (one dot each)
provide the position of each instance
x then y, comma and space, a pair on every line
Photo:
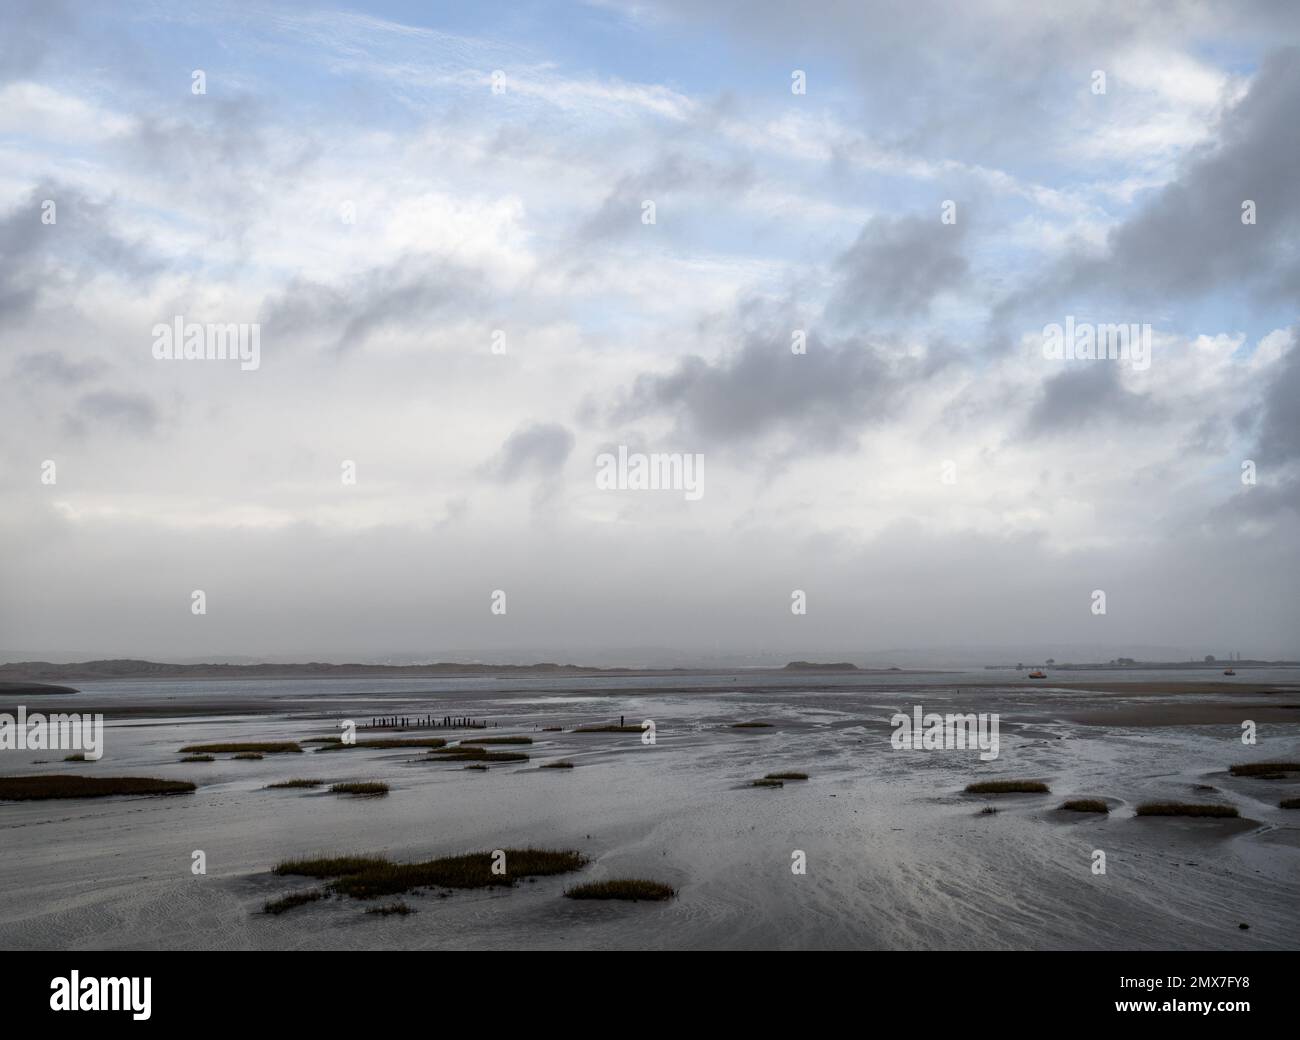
1229, 671
1036, 674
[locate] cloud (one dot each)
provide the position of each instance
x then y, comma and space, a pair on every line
533, 450
897, 267
115, 410
1086, 394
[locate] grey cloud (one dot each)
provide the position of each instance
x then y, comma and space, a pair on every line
53, 367
1083, 394
404, 294
121, 411
534, 449
897, 267
823, 397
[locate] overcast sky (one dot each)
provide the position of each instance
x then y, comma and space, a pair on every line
922, 473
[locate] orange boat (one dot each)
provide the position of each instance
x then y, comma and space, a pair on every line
1229, 671
1037, 675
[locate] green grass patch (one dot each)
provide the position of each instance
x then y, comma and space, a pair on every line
497, 740
1265, 770
294, 783
39, 788
388, 743
473, 870
786, 776
277, 747
1086, 805
751, 725
279, 906
389, 909
249, 756
1186, 809
634, 889
369, 788
562, 764
1008, 787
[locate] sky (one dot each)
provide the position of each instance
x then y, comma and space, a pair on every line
484, 244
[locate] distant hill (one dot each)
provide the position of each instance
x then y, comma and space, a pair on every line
32, 689
132, 669
812, 666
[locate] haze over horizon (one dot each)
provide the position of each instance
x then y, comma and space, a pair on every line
923, 474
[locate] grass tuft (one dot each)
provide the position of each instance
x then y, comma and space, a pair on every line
1185, 809
460, 753
476, 765
371, 788
1265, 770
388, 909
279, 906
766, 782
989, 810
1009, 787
294, 783
473, 870
497, 740
562, 764
633, 889
1086, 805
248, 756
328, 866
272, 748
39, 788
786, 776
198, 758
388, 743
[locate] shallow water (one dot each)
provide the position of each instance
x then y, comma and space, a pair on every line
897, 856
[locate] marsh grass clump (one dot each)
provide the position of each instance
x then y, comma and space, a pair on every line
370, 788
389, 909
552, 729
279, 906
387, 743
1289, 803
328, 866
633, 889
1265, 770
460, 753
607, 729
989, 810
38, 788
473, 870
751, 725
249, 756
322, 740
562, 764
766, 782
786, 776
294, 783
497, 740
1008, 787
1185, 809
80, 756
1095, 805
477, 765
198, 758
277, 747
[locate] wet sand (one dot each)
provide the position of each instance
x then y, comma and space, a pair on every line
898, 857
